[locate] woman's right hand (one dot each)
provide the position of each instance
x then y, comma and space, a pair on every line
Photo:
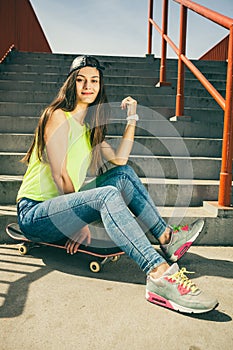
80, 237
130, 104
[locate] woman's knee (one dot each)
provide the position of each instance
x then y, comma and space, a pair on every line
109, 192
128, 170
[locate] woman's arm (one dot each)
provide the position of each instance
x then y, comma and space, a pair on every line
56, 138
121, 154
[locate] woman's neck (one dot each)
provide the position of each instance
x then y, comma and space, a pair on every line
79, 113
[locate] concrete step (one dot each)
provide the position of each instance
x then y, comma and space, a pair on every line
165, 192
197, 114
61, 75
66, 59
48, 59
210, 115
176, 167
181, 192
200, 91
47, 97
27, 57
172, 146
61, 66
36, 109
143, 145
216, 232
8, 214
42, 71
11, 163
195, 84
52, 83
9, 186
127, 85
53, 87
156, 99
54, 78
157, 126
18, 124
25, 109
146, 166
112, 68
147, 79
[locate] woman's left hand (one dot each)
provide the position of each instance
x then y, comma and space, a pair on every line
82, 236
130, 104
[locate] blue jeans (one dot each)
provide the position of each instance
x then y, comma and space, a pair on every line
112, 197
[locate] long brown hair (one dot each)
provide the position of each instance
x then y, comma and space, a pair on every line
96, 118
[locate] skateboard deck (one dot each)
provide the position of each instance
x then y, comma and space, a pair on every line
100, 255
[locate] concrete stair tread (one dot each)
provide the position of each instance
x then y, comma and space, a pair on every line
9, 210
120, 136
157, 127
197, 212
164, 211
134, 73
12, 178
209, 209
144, 180
134, 156
188, 182
168, 157
61, 56
170, 93
136, 137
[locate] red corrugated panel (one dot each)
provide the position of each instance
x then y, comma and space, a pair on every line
219, 52
20, 26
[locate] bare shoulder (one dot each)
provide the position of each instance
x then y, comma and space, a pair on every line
104, 144
57, 117
56, 120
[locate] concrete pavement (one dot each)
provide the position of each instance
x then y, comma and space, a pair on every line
49, 300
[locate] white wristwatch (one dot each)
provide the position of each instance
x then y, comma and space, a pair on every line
133, 117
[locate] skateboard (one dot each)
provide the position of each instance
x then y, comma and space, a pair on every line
100, 255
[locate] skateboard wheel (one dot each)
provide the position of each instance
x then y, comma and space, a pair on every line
95, 266
115, 258
23, 250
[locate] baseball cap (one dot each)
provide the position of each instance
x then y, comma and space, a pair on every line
85, 61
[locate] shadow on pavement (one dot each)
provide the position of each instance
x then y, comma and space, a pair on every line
207, 267
125, 270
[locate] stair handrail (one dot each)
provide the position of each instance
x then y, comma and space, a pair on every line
225, 186
12, 47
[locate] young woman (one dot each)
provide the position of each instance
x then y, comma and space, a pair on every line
54, 203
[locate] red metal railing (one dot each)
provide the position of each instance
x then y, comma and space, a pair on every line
12, 47
224, 197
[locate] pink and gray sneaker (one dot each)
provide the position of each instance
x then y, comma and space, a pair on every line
181, 240
175, 291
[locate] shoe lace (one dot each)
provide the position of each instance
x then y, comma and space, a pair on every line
183, 280
179, 228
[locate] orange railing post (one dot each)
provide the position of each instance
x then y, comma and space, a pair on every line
162, 80
181, 66
150, 15
226, 104
224, 197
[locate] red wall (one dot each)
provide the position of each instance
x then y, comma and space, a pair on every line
219, 52
20, 26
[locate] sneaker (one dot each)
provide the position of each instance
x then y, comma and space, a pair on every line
176, 292
181, 240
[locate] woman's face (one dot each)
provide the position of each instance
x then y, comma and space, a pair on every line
87, 85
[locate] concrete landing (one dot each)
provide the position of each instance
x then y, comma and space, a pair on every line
50, 300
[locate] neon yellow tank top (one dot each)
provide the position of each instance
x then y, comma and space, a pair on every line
38, 183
